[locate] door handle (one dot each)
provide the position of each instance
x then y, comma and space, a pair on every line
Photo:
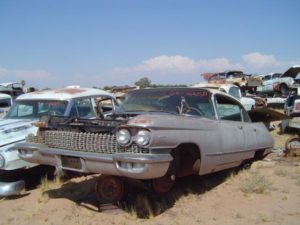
240, 127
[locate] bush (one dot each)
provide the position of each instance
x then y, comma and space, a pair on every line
255, 183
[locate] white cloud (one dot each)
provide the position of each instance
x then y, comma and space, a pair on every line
179, 65
32, 77
260, 61
164, 63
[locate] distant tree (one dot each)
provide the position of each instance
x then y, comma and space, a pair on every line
143, 82
108, 88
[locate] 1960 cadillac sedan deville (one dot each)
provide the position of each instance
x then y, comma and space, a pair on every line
154, 136
27, 109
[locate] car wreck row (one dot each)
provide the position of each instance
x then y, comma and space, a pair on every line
154, 137
266, 84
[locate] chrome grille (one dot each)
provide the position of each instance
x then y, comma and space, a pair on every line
83, 142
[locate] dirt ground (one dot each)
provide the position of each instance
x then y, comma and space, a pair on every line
268, 192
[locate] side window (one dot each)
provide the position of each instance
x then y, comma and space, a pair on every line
276, 75
268, 77
5, 103
82, 108
23, 110
235, 92
106, 103
228, 109
214, 77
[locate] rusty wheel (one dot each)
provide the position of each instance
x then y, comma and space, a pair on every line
163, 184
292, 145
109, 189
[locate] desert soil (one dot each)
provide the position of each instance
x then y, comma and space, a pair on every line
268, 192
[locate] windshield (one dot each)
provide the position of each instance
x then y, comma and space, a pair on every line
36, 108
235, 92
5, 103
193, 102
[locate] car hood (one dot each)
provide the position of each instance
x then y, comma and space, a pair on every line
265, 114
15, 130
292, 72
169, 121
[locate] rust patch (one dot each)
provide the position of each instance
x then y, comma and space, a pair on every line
292, 146
144, 121
69, 91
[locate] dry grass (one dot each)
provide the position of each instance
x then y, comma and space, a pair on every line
279, 171
296, 175
142, 208
254, 182
47, 185
279, 138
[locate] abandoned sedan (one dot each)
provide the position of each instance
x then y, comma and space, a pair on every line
26, 110
155, 136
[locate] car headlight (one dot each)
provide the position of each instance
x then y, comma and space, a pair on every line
123, 137
143, 138
2, 161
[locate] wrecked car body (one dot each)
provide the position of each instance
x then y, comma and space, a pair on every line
13, 89
238, 78
270, 84
5, 103
27, 110
292, 109
155, 135
281, 83
232, 90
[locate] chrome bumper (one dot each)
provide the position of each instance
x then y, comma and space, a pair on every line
138, 166
11, 188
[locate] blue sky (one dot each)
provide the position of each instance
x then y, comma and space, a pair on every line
54, 43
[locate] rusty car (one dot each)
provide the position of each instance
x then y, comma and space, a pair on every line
26, 110
233, 90
238, 78
154, 137
6, 102
281, 83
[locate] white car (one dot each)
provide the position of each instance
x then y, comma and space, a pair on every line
270, 83
28, 108
232, 90
5, 103
282, 84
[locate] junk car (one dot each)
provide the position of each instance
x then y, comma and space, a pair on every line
292, 109
280, 83
238, 78
155, 137
233, 90
27, 109
13, 89
5, 103
270, 84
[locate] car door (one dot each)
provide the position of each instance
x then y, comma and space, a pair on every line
267, 83
237, 136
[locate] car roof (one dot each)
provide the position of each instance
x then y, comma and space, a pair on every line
212, 91
4, 96
63, 94
213, 85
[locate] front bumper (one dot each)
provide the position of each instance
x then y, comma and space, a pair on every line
132, 165
11, 188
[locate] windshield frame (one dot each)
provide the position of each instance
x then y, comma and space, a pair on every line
35, 108
171, 100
